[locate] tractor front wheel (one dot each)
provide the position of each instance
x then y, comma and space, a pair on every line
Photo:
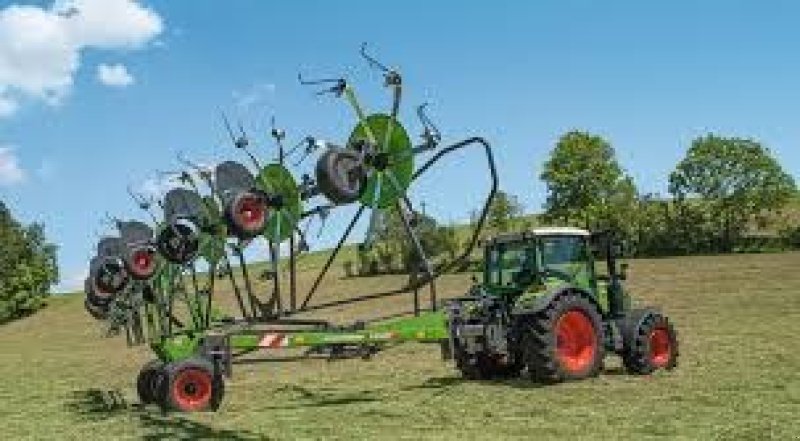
564, 341
649, 342
193, 385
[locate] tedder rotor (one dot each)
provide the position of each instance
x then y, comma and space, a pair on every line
541, 307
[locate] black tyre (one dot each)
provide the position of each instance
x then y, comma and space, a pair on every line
96, 305
148, 382
564, 341
98, 312
340, 175
649, 342
179, 242
193, 385
110, 277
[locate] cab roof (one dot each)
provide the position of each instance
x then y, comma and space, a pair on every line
560, 231
544, 231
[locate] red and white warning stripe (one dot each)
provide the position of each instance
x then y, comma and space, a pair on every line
274, 340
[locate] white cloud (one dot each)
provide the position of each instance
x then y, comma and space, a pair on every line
115, 75
256, 94
7, 106
40, 48
10, 171
156, 187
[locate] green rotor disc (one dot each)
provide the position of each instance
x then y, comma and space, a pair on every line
275, 179
386, 186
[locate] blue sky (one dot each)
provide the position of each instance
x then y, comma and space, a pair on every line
647, 76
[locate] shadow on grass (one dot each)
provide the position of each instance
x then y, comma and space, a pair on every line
96, 404
320, 398
523, 382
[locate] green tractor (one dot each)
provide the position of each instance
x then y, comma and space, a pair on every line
552, 302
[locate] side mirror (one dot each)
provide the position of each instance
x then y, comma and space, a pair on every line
623, 271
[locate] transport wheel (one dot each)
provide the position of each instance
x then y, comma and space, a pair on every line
149, 381
340, 175
193, 386
649, 342
564, 341
247, 215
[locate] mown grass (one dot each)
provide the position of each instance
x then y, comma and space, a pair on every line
738, 319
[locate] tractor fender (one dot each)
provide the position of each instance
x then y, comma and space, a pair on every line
542, 301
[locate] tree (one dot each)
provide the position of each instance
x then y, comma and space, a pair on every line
737, 180
586, 185
504, 210
27, 267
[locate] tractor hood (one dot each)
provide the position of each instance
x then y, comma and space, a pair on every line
537, 295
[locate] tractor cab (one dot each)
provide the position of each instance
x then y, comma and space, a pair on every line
525, 266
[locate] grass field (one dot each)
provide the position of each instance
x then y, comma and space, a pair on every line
738, 319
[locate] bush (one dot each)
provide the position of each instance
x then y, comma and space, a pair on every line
27, 267
791, 237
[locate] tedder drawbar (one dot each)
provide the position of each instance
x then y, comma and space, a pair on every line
541, 308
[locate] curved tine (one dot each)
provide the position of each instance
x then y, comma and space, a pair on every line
372, 61
170, 175
241, 130
111, 220
277, 134
138, 198
188, 163
241, 142
427, 123
305, 82
305, 141
228, 127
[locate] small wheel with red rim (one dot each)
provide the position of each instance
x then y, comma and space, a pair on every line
649, 342
140, 261
193, 385
247, 214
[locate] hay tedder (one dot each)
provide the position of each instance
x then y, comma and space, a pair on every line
540, 308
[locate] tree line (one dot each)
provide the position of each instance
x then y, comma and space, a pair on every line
726, 195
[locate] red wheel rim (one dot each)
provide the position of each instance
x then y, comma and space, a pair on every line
576, 341
249, 213
143, 262
660, 347
192, 389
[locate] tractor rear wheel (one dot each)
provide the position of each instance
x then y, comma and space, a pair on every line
564, 341
193, 385
148, 383
649, 342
